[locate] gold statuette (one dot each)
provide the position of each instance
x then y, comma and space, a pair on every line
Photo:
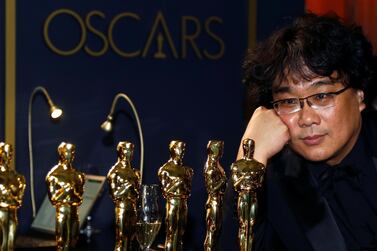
215, 180
175, 181
65, 191
124, 184
247, 177
12, 187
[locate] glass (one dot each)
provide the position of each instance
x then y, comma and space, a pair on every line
315, 101
149, 215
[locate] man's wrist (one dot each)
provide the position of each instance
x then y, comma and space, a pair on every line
260, 157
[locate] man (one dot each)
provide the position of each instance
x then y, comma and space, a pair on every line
314, 132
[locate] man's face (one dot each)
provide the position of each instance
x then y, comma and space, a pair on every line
326, 134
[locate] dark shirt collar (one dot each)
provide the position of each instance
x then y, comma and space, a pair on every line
352, 164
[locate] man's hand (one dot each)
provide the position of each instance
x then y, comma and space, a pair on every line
269, 133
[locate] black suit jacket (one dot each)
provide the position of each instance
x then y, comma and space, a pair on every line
291, 214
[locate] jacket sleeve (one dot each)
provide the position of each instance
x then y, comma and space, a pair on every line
265, 237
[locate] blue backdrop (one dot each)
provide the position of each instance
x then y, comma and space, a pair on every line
180, 62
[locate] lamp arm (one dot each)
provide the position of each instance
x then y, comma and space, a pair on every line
122, 95
30, 142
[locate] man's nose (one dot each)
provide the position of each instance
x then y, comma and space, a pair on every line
307, 115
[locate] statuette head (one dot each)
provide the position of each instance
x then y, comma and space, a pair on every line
66, 152
125, 150
215, 148
248, 148
177, 149
6, 152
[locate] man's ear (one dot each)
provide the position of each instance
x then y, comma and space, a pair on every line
360, 98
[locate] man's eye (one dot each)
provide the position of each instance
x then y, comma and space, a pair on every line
322, 96
290, 101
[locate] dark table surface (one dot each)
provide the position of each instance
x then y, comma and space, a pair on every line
99, 241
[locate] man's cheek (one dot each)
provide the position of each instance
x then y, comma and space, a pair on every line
292, 131
289, 120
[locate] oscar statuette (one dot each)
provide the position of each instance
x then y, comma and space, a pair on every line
215, 181
124, 184
12, 188
65, 191
247, 177
175, 179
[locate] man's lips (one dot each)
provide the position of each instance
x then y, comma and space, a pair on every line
313, 139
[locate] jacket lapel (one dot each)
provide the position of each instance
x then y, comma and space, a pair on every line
370, 137
325, 234
369, 186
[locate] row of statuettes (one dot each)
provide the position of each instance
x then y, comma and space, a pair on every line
66, 185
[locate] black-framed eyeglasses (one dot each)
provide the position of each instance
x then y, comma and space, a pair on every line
316, 101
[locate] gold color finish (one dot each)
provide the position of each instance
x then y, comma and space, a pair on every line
247, 176
215, 180
47, 37
65, 191
190, 38
10, 74
98, 33
175, 181
111, 32
12, 188
219, 40
160, 21
55, 112
124, 184
108, 126
252, 21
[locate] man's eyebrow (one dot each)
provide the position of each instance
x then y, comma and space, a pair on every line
322, 82
317, 83
282, 89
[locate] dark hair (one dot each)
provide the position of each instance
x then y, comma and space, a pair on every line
312, 46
